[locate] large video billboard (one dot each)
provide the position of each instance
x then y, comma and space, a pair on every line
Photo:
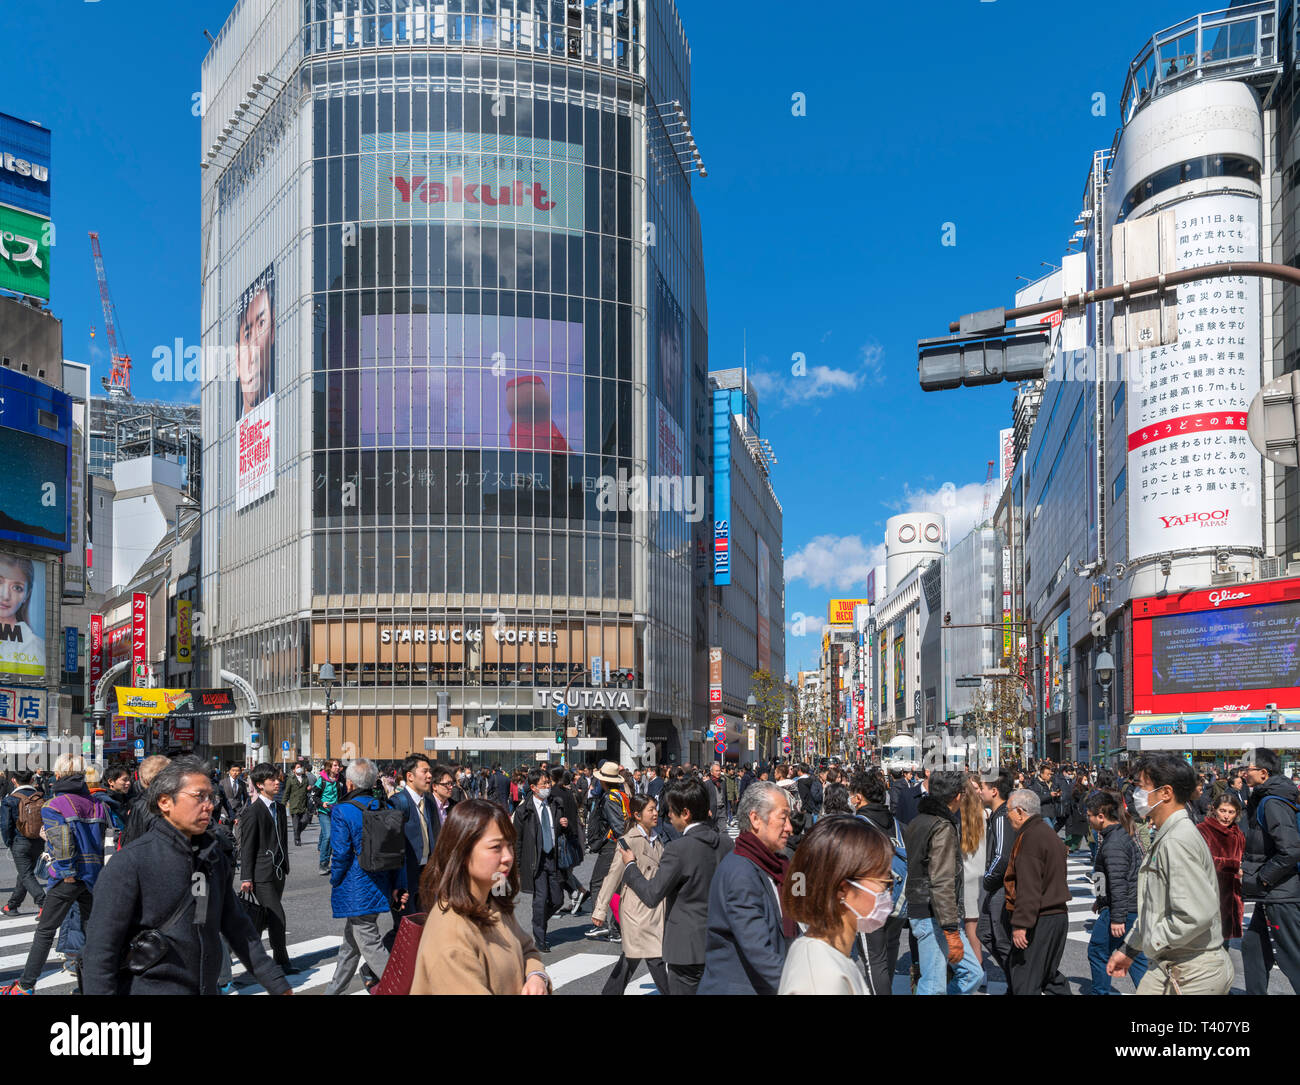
25, 253
1232, 649
472, 178
1193, 476
22, 615
472, 382
35, 436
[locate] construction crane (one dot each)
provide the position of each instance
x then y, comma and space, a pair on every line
988, 484
118, 385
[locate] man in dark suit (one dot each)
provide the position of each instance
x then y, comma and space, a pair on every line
499, 788
264, 856
684, 877
425, 801
654, 783
232, 795
539, 821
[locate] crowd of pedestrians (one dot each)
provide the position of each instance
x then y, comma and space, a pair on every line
829, 869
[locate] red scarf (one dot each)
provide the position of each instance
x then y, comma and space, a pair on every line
748, 846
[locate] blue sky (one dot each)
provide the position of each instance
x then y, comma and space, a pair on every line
822, 232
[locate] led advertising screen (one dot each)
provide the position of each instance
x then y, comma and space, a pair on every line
35, 435
506, 383
1230, 649
25, 253
1258, 646
254, 337
472, 178
22, 616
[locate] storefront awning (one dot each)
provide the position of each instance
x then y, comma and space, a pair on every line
1215, 731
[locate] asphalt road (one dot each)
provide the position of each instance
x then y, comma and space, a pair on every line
578, 965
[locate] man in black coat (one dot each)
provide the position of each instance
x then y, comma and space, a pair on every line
232, 795
264, 854
539, 820
1268, 874
150, 884
499, 788
684, 878
904, 797
1049, 793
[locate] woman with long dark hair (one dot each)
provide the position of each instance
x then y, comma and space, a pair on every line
472, 943
642, 926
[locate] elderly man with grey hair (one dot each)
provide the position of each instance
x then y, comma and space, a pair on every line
357, 895
747, 935
1038, 898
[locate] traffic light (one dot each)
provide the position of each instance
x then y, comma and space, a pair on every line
559, 735
985, 352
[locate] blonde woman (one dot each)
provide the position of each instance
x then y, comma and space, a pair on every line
643, 927
972, 860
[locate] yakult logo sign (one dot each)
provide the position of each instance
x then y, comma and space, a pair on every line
511, 195
1217, 518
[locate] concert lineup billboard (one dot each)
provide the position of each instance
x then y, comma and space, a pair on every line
1232, 649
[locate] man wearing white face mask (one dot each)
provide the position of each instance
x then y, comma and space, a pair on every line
1178, 925
837, 888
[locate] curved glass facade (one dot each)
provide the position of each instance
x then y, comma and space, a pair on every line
483, 316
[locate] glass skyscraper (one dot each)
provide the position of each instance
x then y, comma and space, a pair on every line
453, 307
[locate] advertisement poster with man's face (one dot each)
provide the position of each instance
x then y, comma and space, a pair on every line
255, 343
22, 616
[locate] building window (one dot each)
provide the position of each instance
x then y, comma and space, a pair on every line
1117, 401
1118, 487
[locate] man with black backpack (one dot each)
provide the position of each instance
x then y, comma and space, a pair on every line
1269, 875
367, 875
606, 822
20, 828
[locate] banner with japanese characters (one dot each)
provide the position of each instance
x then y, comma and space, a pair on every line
255, 450
1193, 476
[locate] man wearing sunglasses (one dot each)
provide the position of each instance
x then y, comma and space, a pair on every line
174, 886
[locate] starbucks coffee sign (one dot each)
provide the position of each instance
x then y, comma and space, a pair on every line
455, 634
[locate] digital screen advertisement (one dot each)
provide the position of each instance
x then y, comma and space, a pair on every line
506, 383
255, 452
477, 178
22, 615
35, 434
1229, 649
25, 253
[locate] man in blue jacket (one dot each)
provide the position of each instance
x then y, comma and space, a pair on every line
74, 827
358, 896
747, 936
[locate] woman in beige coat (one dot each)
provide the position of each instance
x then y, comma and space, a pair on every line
471, 944
643, 928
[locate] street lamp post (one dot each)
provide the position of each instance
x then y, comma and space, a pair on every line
325, 677
751, 703
1104, 669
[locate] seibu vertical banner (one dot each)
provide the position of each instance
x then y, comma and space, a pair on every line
140, 636
1193, 476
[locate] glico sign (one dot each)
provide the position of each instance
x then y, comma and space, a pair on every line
1227, 650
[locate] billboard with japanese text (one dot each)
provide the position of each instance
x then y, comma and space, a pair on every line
35, 462
1193, 476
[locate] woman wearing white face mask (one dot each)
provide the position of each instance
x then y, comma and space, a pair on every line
837, 887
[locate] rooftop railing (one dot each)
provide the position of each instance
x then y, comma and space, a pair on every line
1212, 45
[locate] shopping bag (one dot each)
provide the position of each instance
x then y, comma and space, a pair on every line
400, 969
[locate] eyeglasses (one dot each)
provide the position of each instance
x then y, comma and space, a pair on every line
203, 798
445, 783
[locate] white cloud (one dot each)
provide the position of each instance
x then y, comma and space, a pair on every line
805, 625
834, 562
843, 562
820, 381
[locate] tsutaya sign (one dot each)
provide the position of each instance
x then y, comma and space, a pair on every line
589, 698
456, 634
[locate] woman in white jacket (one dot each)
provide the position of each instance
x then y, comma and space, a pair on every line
643, 928
838, 886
